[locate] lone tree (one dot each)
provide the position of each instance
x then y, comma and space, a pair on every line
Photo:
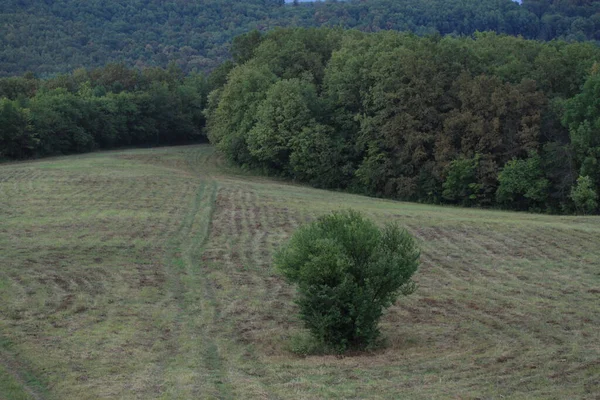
348, 271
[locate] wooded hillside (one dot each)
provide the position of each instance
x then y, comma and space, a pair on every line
490, 120
49, 37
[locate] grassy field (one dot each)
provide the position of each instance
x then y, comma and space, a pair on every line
146, 274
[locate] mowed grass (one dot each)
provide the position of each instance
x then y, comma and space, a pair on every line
147, 274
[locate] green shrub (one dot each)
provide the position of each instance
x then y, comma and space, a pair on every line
522, 183
461, 184
584, 196
347, 271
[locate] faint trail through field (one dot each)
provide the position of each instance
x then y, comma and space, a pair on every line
194, 336
16, 371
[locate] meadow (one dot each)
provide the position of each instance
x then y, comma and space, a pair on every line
146, 274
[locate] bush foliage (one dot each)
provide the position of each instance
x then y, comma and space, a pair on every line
584, 196
347, 271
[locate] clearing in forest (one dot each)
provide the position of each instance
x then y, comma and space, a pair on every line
146, 274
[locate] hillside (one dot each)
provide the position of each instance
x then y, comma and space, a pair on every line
146, 274
52, 37
489, 120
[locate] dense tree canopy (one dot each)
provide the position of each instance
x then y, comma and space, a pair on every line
49, 37
491, 120
101, 109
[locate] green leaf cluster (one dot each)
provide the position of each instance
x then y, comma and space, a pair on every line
461, 181
584, 195
523, 182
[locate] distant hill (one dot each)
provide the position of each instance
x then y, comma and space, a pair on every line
49, 37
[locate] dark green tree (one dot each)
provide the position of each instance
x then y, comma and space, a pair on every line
244, 46
347, 271
522, 183
280, 117
461, 184
582, 117
233, 111
321, 157
584, 195
17, 138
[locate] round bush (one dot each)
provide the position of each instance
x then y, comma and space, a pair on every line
347, 271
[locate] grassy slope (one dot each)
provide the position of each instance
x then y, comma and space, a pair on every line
146, 274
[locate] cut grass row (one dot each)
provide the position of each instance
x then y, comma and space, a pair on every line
146, 274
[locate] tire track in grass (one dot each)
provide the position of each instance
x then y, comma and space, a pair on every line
212, 357
17, 378
213, 360
196, 366
243, 291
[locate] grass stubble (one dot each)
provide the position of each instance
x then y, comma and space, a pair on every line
146, 274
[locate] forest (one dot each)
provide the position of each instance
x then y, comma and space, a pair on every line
59, 36
102, 108
489, 120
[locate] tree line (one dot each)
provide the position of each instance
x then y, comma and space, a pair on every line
488, 120
102, 108
50, 37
